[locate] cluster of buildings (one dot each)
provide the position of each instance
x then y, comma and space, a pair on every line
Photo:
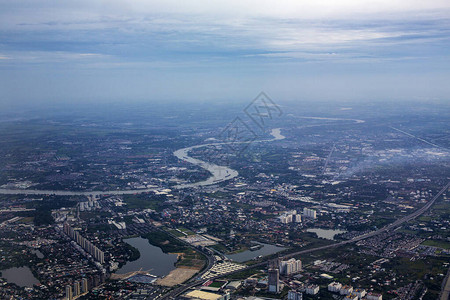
290, 217
309, 213
212, 290
90, 248
79, 288
350, 293
89, 205
284, 267
291, 266
293, 216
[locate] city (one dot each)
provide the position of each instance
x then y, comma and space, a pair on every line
315, 213
225, 150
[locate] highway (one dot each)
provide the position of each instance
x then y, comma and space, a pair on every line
178, 291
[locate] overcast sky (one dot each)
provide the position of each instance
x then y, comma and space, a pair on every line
216, 50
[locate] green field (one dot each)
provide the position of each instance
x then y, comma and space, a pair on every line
439, 244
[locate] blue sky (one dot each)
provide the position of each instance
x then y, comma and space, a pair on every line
207, 50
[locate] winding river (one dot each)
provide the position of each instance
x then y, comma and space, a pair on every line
218, 174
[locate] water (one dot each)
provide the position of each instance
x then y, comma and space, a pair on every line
152, 259
38, 253
218, 173
326, 233
21, 276
267, 249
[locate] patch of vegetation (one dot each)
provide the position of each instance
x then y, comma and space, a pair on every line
435, 243
191, 258
133, 252
163, 240
145, 201
42, 215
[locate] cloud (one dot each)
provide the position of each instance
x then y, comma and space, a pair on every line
251, 41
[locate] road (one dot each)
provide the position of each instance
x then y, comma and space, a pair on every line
174, 293
419, 138
445, 292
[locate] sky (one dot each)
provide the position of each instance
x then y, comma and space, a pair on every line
208, 50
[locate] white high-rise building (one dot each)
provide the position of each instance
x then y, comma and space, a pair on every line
289, 217
290, 266
285, 219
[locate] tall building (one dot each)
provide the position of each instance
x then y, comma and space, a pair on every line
290, 266
69, 295
84, 286
76, 289
285, 219
90, 248
309, 213
274, 280
290, 217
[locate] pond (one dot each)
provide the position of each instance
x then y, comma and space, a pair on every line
21, 276
152, 259
38, 253
326, 233
266, 249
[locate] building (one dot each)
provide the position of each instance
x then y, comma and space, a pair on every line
274, 280
309, 213
76, 289
90, 248
360, 293
234, 285
312, 289
346, 290
295, 295
374, 296
290, 217
351, 297
285, 219
69, 295
334, 287
290, 266
84, 286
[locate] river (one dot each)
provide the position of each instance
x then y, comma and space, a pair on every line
218, 174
